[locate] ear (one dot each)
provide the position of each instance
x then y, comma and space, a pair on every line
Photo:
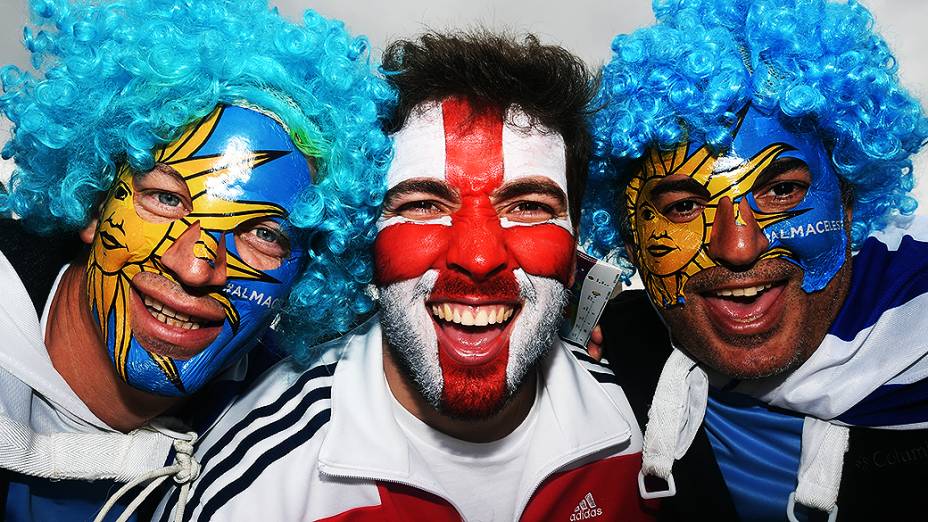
89, 231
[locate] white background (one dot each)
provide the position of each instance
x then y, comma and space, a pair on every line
584, 26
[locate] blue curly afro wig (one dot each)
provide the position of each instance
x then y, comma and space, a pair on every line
113, 81
816, 64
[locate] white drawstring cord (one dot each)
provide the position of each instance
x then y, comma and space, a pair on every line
820, 467
674, 417
185, 470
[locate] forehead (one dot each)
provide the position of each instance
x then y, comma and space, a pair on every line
442, 139
239, 154
754, 135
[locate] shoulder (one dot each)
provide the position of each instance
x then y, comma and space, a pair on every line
264, 450
889, 272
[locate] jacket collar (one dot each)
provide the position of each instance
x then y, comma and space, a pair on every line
576, 418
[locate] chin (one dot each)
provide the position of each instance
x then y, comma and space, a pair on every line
755, 357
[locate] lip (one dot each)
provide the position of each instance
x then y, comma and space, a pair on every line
660, 250
473, 345
163, 339
739, 316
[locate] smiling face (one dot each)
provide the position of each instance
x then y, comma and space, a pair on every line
190, 258
474, 252
745, 252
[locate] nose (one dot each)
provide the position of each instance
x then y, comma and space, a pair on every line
196, 258
736, 240
476, 248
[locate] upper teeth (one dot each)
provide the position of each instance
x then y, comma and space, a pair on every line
169, 316
745, 292
472, 315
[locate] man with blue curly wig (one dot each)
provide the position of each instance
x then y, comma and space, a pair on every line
222, 168
746, 150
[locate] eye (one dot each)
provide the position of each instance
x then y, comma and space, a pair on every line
420, 209
528, 211
647, 214
678, 198
262, 244
161, 195
161, 205
783, 186
266, 234
781, 195
684, 210
169, 200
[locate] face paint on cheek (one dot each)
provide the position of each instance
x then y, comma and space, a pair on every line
814, 238
474, 255
670, 253
542, 250
406, 250
234, 167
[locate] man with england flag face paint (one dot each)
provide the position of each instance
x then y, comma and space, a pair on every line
754, 163
475, 195
458, 401
198, 193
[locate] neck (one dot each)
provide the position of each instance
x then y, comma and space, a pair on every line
76, 348
489, 429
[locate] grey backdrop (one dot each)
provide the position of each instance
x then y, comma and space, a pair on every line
584, 26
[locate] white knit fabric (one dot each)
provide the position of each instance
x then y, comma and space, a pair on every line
678, 409
821, 462
676, 413
59, 456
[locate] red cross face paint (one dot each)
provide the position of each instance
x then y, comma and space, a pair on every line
474, 251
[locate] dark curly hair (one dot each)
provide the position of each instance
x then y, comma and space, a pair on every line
551, 85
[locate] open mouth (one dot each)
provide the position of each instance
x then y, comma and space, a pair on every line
472, 334
746, 309
167, 321
171, 317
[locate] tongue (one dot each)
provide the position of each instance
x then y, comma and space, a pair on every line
475, 339
471, 344
745, 308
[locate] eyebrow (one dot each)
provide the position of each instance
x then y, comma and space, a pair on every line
679, 185
519, 188
437, 188
162, 168
779, 166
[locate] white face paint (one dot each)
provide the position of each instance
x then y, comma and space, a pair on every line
533, 150
529, 150
536, 327
408, 327
470, 301
418, 152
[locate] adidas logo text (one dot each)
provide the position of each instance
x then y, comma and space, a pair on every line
586, 509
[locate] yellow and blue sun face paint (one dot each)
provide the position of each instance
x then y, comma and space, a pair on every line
811, 234
238, 166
